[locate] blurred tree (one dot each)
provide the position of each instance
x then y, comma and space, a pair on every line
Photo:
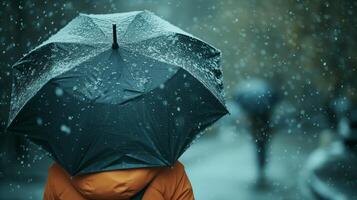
305, 47
330, 28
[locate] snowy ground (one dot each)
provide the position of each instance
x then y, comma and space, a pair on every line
224, 168
221, 167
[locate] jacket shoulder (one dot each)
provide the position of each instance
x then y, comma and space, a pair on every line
171, 183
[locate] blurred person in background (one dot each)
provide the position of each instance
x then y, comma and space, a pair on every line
258, 99
331, 171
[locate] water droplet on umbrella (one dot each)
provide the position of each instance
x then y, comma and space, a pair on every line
39, 121
59, 92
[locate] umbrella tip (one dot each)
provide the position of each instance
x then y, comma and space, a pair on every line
115, 41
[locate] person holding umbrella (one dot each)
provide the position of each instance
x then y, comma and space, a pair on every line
159, 183
106, 108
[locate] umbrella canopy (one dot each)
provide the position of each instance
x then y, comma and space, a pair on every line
102, 97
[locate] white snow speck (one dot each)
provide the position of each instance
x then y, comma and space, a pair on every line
39, 121
66, 129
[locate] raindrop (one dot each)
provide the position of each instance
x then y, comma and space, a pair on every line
66, 129
39, 121
164, 102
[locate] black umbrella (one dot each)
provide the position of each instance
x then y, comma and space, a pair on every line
96, 103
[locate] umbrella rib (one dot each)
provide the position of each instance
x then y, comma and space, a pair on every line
149, 38
153, 37
25, 102
181, 67
158, 149
95, 24
167, 26
150, 57
131, 22
171, 33
90, 146
171, 64
46, 45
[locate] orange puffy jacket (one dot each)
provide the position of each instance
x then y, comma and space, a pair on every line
162, 183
